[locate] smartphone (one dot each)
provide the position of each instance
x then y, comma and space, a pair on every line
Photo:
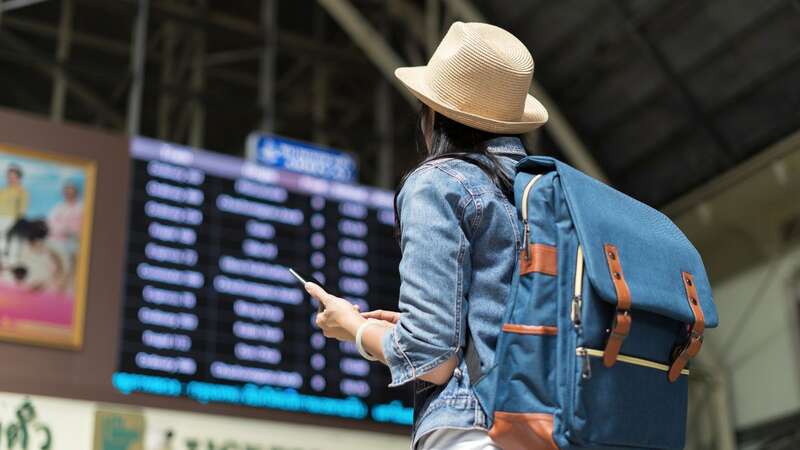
303, 279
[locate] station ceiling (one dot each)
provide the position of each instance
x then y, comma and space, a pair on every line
665, 94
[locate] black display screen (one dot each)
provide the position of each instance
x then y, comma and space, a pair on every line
211, 311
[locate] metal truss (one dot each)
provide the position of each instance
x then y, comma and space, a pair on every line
169, 44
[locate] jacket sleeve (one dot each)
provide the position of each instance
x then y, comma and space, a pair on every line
434, 274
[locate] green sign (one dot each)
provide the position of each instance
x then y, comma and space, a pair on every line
25, 431
118, 431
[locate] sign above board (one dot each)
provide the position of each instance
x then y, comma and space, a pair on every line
301, 157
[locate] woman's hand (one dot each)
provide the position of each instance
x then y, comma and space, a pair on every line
389, 316
341, 319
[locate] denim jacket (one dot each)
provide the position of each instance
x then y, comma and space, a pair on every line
459, 239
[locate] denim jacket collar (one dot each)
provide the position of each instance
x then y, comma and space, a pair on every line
506, 145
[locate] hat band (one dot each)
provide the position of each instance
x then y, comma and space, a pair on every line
494, 95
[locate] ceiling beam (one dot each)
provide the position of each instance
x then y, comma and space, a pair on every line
44, 64
660, 59
47, 29
411, 16
292, 43
717, 51
369, 40
433, 24
732, 177
58, 97
268, 65
11, 5
558, 126
137, 66
215, 62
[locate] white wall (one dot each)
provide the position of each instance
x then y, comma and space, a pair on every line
71, 426
760, 357
741, 225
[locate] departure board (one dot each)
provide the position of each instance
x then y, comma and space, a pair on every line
211, 311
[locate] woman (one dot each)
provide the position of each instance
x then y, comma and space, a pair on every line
13, 204
459, 233
64, 222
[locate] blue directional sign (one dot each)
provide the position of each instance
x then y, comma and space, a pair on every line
302, 157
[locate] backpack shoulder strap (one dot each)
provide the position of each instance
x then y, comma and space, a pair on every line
473, 361
471, 357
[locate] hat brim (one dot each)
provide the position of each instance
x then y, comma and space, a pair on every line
415, 79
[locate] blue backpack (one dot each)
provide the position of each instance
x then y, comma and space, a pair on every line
607, 306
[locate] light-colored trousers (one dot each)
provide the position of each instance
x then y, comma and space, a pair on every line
455, 439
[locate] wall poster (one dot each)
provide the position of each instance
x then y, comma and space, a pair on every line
45, 232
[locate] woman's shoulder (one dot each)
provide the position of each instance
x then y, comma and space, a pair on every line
440, 178
435, 182
451, 174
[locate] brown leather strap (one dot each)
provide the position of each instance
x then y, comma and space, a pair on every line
683, 353
541, 258
620, 329
523, 431
621, 326
542, 330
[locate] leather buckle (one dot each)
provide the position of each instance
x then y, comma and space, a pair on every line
682, 353
677, 350
620, 329
695, 339
615, 325
694, 345
621, 325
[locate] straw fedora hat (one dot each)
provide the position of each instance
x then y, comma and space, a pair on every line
479, 76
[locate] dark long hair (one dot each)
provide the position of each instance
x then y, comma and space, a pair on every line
453, 140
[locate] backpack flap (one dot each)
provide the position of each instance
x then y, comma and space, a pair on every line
635, 258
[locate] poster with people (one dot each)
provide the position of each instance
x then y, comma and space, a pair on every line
45, 230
